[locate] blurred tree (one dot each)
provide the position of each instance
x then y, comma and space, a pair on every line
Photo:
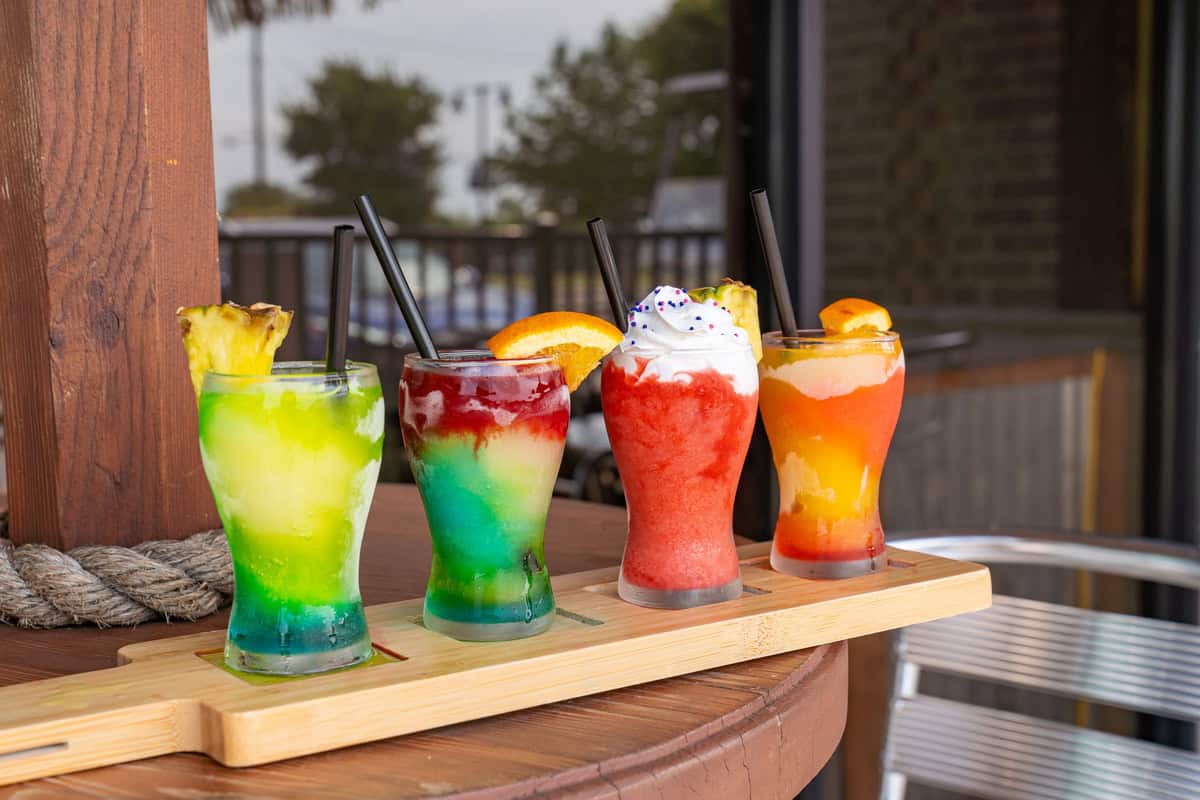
601, 129
229, 14
263, 200
367, 133
511, 210
588, 143
690, 38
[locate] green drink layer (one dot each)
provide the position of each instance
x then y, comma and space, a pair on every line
487, 507
292, 464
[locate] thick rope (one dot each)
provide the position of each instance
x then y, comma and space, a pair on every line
41, 587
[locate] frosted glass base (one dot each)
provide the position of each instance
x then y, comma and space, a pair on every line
296, 663
677, 598
826, 570
487, 631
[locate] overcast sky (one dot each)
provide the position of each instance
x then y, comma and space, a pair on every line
453, 44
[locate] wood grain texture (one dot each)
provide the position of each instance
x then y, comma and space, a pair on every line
182, 188
664, 736
25, 375
108, 225
167, 699
758, 732
867, 715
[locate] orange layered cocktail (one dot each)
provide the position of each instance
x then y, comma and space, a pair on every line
830, 401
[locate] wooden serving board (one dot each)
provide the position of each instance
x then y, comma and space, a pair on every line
173, 695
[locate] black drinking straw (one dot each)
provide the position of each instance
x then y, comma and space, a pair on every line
338, 319
608, 271
770, 248
395, 276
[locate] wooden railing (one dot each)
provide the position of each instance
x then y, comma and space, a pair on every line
469, 282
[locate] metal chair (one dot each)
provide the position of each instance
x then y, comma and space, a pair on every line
1130, 662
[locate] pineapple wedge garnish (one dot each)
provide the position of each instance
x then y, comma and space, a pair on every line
232, 339
742, 302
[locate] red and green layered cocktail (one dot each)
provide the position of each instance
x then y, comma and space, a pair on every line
484, 438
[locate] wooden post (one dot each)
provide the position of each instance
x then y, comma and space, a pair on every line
107, 224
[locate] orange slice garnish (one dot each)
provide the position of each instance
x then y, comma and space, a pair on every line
576, 341
852, 314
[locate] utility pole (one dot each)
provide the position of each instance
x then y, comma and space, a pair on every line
480, 179
257, 103
482, 93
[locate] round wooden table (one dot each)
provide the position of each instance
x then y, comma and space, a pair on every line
761, 729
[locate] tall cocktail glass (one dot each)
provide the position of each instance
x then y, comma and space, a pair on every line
292, 459
485, 438
830, 405
679, 436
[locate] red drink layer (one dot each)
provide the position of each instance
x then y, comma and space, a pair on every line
443, 404
679, 448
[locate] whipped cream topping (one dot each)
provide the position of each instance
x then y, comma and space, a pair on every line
677, 336
667, 319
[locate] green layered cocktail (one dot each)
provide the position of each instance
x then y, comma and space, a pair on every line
292, 459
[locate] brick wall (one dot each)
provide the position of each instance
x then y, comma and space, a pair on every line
942, 147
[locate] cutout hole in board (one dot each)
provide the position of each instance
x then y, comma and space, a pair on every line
31, 752
607, 589
580, 618
216, 657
